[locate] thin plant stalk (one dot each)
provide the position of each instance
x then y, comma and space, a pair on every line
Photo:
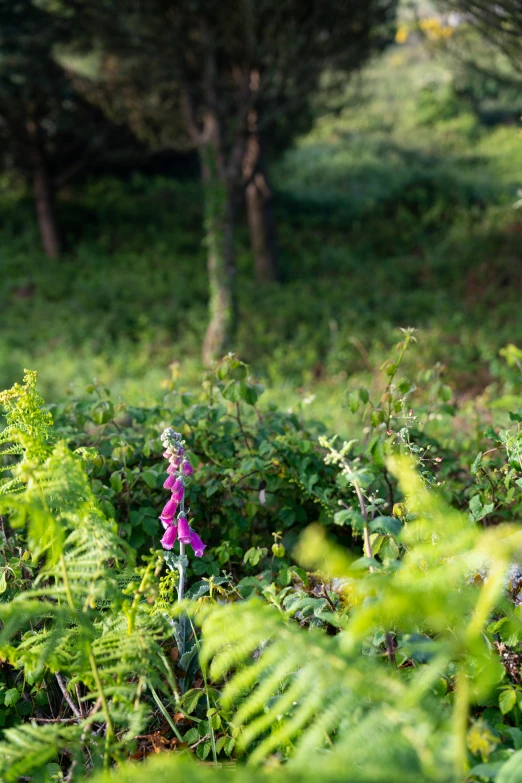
205, 682
165, 713
364, 511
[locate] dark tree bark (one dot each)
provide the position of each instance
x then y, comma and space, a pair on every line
260, 212
219, 206
43, 191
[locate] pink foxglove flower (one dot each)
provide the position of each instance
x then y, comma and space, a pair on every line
169, 539
178, 490
177, 529
187, 468
197, 544
170, 481
183, 530
169, 510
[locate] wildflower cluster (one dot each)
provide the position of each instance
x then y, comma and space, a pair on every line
175, 523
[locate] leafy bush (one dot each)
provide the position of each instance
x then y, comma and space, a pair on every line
342, 599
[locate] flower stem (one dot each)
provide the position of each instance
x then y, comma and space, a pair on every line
460, 724
181, 569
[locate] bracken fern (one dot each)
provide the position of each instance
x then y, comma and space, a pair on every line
75, 624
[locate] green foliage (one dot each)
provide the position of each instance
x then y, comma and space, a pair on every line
70, 618
257, 473
318, 648
353, 616
383, 221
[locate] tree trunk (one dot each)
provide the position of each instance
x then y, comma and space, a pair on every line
219, 227
43, 195
260, 213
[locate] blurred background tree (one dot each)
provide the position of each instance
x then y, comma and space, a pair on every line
483, 41
232, 80
390, 179
49, 130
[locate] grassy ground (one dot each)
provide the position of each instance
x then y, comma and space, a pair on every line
396, 212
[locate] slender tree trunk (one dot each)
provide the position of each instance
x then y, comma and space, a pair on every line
43, 194
219, 227
260, 212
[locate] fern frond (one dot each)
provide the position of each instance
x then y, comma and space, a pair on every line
29, 424
30, 747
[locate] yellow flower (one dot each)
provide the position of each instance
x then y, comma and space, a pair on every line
401, 36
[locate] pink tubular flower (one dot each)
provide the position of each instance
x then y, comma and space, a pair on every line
187, 468
169, 483
178, 491
165, 521
197, 544
177, 529
183, 530
169, 510
169, 539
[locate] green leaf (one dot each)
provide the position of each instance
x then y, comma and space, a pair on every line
232, 392
353, 400
254, 555
377, 417
3, 581
12, 696
191, 736
203, 750
477, 510
445, 393
116, 482
507, 700
389, 525
149, 477
350, 516
103, 412
215, 721
488, 771
477, 462
342, 517
250, 392
377, 452
190, 700
151, 526
511, 771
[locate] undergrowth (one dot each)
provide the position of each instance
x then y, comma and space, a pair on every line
356, 611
